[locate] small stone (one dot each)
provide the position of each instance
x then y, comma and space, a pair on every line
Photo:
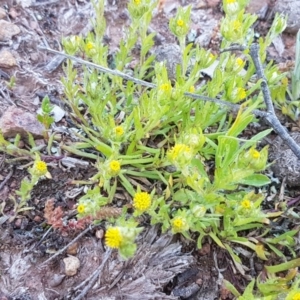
72, 265
2, 13
72, 250
291, 8
56, 280
16, 121
7, 60
8, 30
170, 54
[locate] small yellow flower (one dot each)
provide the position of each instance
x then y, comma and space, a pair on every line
179, 224
192, 89
230, 1
178, 150
115, 166
113, 237
285, 81
166, 87
137, 2
89, 46
241, 93
211, 56
40, 168
142, 201
296, 296
236, 24
239, 62
180, 23
246, 204
254, 153
119, 130
81, 208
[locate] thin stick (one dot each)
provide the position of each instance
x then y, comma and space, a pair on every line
93, 278
233, 107
3, 183
270, 115
66, 247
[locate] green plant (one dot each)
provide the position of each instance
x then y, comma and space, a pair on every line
185, 164
219, 206
37, 171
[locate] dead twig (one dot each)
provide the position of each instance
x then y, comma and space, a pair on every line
90, 281
270, 115
231, 106
44, 3
67, 246
8, 176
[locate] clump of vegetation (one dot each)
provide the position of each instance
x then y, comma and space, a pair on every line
184, 163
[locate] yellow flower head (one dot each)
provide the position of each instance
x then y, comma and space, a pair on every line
89, 45
254, 153
115, 166
81, 208
285, 81
230, 1
40, 168
192, 89
211, 56
241, 93
179, 224
142, 201
113, 237
180, 23
119, 130
137, 2
236, 24
166, 87
296, 296
177, 150
239, 62
246, 204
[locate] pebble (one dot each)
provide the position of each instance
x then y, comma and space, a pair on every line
7, 60
16, 121
8, 30
56, 280
72, 265
170, 54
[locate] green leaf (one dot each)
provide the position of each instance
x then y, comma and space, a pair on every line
255, 180
46, 105
227, 151
284, 266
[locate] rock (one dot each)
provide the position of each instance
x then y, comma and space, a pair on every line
7, 60
285, 162
56, 280
72, 265
8, 30
170, 54
2, 13
72, 250
292, 9
16, 121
